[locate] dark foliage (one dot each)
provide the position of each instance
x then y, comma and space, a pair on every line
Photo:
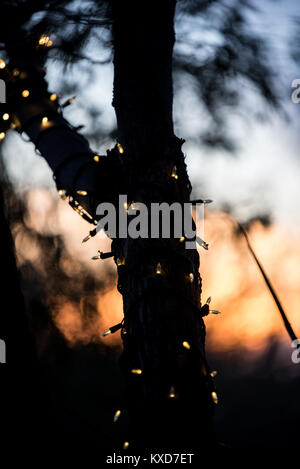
216, 49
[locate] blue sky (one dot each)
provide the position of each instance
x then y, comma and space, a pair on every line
265, 173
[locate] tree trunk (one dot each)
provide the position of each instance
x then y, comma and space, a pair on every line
161, 311
24, 400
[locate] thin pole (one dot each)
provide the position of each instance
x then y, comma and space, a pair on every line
286, 322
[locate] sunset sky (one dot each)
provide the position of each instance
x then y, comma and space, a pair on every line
261, 178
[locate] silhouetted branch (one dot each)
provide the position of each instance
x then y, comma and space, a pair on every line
283, 315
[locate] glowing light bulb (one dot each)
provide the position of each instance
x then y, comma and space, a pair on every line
191, 277
2, 135
214, 397
62, 193
2, 64
53, 97
42, 40
213, 374
112, 329
134, 206
136, 371
117, 415
68, 102
120, 148
81, 192
96, 158
87, 238
25, 93
90, 235
172, 394
16, 72
181, 240
158, 268
126, 444
202, 243
45, 41
45, 120
186, 344
80, 212
98, 256
5, 116
174, 173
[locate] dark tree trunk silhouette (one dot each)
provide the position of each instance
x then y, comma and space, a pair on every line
161, 311
25, 403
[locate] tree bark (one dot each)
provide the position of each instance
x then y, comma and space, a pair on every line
161, 311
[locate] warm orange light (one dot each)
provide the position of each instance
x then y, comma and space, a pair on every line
45, 41
249, 316
186, 345
117, 415
120, 148
81, 192
25, 93
174, 173
136, 371
5, 116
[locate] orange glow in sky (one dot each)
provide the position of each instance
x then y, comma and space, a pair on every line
230, 276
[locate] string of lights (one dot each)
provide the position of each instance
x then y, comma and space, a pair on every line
27, 86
